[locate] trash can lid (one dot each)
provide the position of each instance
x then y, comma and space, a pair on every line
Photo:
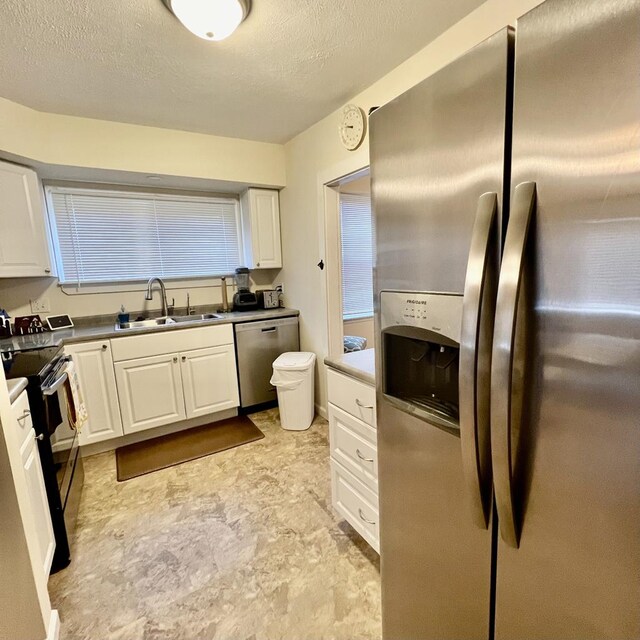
295, 360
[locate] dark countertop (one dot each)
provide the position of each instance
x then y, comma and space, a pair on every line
103, 327
357, 364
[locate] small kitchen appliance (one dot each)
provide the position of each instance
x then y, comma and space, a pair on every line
244, 299
268, 298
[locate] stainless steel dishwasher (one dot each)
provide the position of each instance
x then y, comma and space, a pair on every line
258, 344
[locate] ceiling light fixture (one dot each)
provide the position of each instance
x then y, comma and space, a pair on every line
210, 19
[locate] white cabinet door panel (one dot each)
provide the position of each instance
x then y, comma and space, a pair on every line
24, 250
353, 444
38, 501
209, 380
150, 392
94, 365
261, 228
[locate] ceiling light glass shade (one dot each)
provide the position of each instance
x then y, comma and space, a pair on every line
210, 19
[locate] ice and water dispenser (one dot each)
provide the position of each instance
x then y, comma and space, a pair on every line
420, 354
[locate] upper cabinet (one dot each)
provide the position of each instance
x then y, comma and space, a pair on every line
24, 248
261, 228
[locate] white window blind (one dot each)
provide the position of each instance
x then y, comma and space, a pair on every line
357, 256
116, 236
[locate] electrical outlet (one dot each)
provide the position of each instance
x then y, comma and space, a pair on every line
41, 305
279, 287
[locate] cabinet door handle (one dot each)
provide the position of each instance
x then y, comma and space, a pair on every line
40, 437
364, 518
47, 270
184, 358
363, 458
104, 347
175, 358
257, 264
363, 406
25, 414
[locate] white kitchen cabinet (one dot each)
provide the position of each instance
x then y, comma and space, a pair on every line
34, 480
166, 377
150, 392
354, 453
261, 228
24, 246
94, 365
209, 380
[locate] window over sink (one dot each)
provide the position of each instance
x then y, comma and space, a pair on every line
110, 236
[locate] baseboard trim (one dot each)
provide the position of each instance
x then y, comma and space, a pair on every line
322, 412
54, 625
140, 436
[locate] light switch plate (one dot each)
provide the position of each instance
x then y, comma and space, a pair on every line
40, 305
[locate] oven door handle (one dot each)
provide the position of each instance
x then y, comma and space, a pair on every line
55, 385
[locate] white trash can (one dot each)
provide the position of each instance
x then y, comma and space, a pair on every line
293, 379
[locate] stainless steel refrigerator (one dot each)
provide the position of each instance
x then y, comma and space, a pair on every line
506, 196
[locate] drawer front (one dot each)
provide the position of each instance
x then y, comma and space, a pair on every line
353, 445
22, 413
353, 396
356, 503
171, 341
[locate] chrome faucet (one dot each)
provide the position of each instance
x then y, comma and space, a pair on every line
163, 290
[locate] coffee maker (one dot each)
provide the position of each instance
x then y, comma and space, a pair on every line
244, 299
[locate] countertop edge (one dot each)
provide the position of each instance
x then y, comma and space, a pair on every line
351, 370
15, 387
88, 334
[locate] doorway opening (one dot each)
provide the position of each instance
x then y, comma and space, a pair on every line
350, 281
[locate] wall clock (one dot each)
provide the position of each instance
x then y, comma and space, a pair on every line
352, 127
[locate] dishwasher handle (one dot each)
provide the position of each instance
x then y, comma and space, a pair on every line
269, 330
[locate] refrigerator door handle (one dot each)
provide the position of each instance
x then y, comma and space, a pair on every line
475, 352
504, 356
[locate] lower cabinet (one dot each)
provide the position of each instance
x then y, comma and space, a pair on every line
354, 454
209, 380
139, 382
150, 392
94, 365
34, 480
159, 390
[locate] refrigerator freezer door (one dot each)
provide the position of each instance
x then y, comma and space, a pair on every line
434, 152
575, 450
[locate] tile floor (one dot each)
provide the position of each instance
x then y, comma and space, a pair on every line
243, 544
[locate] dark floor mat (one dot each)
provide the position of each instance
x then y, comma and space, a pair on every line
159, 453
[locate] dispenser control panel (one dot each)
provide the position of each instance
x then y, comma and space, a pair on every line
437, 312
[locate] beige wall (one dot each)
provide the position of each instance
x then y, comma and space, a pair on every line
362, 328
314, 154
98, 144
16, 293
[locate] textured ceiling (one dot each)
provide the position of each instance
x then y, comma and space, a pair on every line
291, 63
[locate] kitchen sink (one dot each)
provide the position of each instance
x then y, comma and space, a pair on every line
158, 322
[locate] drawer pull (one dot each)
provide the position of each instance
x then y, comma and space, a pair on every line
364, 518
25, 414
363, 406
363, 458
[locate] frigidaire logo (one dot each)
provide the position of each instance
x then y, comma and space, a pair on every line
416, 302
